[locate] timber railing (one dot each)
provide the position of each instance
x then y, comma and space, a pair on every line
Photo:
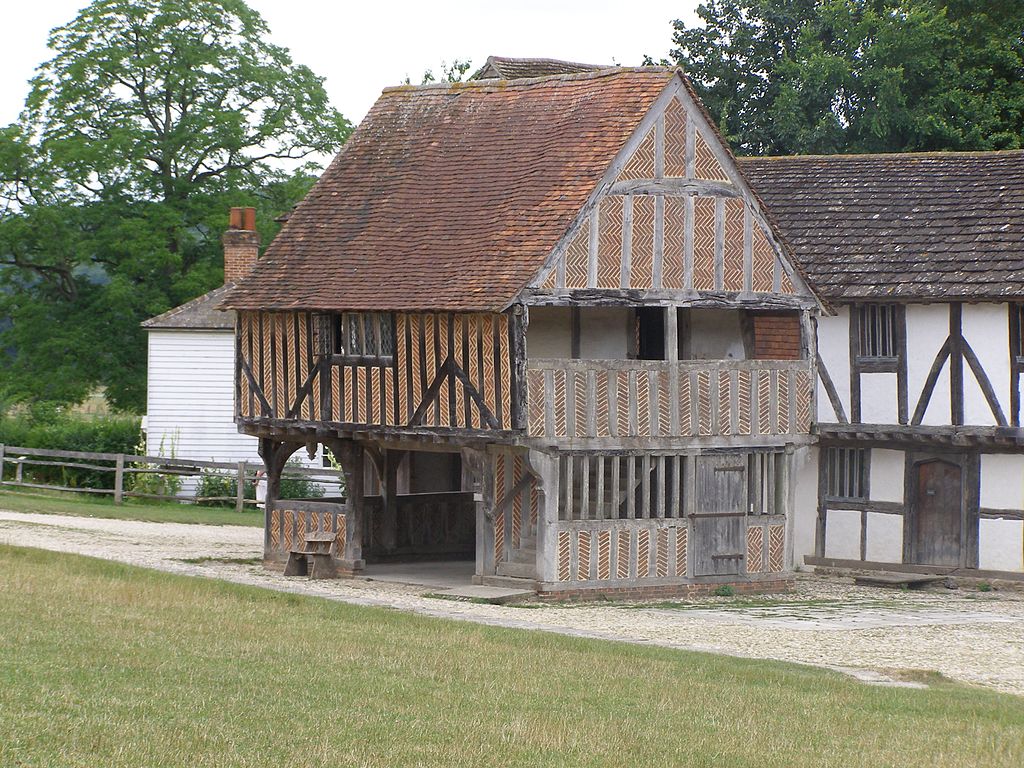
693, 398
20, 467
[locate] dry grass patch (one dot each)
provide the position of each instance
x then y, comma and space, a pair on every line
104, 664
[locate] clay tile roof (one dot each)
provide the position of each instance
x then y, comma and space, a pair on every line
906, 226
508, 68
451, 196
200, 314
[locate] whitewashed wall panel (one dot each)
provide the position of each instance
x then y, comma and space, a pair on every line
887, 469
805, 508
986, 329
879, 401
1002, 481
834, 349
842, 534
1001, 545
927, 329
884, 538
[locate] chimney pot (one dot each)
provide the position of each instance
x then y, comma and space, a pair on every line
243, 218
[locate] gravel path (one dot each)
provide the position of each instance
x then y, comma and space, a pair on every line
969, 636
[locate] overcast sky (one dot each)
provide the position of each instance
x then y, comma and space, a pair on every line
362, 49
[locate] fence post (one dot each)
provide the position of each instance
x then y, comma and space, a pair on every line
17, 470
119, 480
1, 462
240, 489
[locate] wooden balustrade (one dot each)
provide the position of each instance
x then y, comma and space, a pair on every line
700, 398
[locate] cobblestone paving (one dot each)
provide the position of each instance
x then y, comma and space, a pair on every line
966, 635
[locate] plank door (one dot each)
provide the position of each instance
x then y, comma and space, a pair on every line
937, 513
720, 518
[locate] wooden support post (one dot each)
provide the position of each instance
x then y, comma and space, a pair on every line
240, 487
352, 458
119, 480
545, 469
389, 491
2, 462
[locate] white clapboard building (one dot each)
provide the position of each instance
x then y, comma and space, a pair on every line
190, 400
920, 459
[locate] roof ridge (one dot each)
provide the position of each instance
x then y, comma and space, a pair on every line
923, 155
495, 84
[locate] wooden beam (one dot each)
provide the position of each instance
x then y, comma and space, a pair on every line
675, 187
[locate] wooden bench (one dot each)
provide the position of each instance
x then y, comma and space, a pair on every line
314, 558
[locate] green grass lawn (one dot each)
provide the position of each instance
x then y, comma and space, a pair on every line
103, 664
157, 512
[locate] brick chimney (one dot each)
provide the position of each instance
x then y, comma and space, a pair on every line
241, 244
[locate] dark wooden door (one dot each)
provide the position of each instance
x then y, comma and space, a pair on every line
720, 519
937, 513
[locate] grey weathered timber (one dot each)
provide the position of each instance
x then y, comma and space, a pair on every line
642, 297
677, 187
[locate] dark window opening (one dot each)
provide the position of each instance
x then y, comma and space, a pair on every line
366, 338
650, 330
845, 473
878, 331
1017, 333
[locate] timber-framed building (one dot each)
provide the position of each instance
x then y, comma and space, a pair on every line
921, 458
543, 323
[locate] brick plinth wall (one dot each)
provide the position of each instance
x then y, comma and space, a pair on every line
667, 591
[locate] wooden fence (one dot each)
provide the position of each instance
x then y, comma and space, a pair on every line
123, 465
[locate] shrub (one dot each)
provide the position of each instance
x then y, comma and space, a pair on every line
153, 483
214, 483
54, 428
299, 487
726, 590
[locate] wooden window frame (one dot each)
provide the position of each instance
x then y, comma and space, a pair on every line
853, 484
373, 337
878, 336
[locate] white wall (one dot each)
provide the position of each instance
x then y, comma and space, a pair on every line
842, 534
927, 329
834, 348
549, 334
887, 469
715, 334
986, 329
1001, 545
884, 538
879, 398
604, 333
190, 399
805, 512
1002, 481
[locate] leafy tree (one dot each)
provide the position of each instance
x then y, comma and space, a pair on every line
150, 121
797, 76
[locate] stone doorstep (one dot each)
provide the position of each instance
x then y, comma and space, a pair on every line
485, 594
